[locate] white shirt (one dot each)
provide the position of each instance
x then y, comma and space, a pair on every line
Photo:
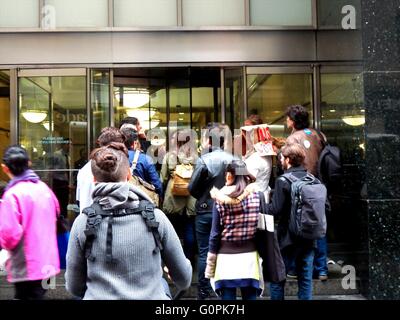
85, 186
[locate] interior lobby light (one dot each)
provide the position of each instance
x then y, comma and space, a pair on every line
354, 121
46, 125
134, 98
143, 116
34, 116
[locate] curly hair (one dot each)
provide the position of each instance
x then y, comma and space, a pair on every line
299, 115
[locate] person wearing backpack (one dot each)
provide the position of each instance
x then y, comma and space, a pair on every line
28, 231
134, 123
117, 246
297, 241
313, 143
176, 171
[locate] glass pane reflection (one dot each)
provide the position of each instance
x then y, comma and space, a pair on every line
270, 94
53, 129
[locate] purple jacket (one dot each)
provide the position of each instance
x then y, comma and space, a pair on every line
28, 215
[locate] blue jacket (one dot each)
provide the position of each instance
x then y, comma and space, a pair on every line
146, 170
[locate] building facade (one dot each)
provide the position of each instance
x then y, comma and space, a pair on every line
70, 68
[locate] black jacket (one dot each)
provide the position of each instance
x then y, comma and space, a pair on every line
280, 208
209, 172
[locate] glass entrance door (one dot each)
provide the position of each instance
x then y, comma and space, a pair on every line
167, 99
53, 127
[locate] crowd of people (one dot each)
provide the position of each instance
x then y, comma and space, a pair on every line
138, 229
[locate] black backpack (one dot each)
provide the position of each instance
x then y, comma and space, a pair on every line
329, 167
95, 215
308, 211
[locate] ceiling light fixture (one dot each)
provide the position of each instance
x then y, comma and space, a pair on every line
134, 98
34, 116
354, 121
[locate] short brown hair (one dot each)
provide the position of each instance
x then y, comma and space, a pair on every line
110, 163
108, 135
295, 153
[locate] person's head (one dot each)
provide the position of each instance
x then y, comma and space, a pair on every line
238, 175
132, 121
82, 153
109, 135
216, 135
297, 117
15, 161
110, 163
253, 120
131, 137
65, 145
292, 155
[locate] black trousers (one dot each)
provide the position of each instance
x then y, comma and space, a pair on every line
29, 290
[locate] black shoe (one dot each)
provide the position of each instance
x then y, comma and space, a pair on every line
205, 293
202, 294
323, 277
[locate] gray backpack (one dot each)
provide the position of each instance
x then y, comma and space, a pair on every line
307, 217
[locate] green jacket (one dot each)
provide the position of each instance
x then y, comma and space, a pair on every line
176, 204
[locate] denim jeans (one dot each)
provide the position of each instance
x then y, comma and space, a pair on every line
248, 293
321, 253
302, 256
203, 229
185, 228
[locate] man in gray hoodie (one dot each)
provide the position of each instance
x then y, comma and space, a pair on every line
134, 271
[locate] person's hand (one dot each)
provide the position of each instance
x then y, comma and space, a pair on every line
211, 263
167, 272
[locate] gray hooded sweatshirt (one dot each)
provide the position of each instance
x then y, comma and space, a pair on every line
136, 273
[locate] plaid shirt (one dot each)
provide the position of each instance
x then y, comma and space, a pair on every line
239, 221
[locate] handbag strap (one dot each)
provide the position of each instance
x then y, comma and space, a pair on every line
262, 202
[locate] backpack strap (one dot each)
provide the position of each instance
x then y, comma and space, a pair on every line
290, 177
95, 215
92, 224
100, 213
322, 138
147, 210
135, 160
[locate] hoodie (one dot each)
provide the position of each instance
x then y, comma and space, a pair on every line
28, 216
135, 273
